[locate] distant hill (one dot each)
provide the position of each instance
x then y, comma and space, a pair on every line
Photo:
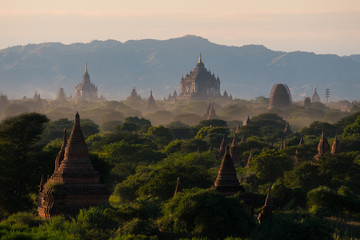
115, 67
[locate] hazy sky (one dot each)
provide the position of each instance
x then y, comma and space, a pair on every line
321, 26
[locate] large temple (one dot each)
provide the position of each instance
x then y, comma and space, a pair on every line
280, 96
200, 83
74, 183
86, 90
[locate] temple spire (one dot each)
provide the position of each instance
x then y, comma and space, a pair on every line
249, 159
323, 146
335, 146
61, 153
226, 181
85, 67
200, 59
267, 209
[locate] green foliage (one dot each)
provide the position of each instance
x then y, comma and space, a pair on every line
270, 165
304, 176
160, 180
316, 128
293, 226
20, 160
160, 135
212, 122
323, 201
353, 129
205, 213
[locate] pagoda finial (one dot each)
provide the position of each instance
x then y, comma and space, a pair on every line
77, 119
200, 59
86, 66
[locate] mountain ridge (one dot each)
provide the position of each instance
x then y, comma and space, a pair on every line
115, 67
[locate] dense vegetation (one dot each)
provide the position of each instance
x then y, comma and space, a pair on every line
140, 163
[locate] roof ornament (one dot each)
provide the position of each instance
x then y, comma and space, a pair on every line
200, 59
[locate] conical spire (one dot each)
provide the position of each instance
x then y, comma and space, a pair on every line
85, 67
267, 208
151, 104
178, 186
61, 153
233, 144
200, 59
323, 146
42, 181
287, 129
223, 145
242, 140
249, 159
301, 142
76, 164
247, 121
226, 181
335, 146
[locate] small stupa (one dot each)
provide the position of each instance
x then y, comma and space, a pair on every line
151, 104
75, 183
227, 181
235, 151
267, 209
323, 146
335, 146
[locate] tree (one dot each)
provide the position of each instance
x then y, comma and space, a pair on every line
270, 165
20, 160
160, 135
205, 213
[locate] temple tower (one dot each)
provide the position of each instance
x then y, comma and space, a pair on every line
86, 90
151, 105
235, 151
280, 96
267, 209
335, 146
315, 97
226, 181
200, 83
75, 183
323, 146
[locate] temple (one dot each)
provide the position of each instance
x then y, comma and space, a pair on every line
86, 90
151, 104
323, 146
223, 145
235, 151
280, 96
226, 181
200, 83
74, 183
60, 96
315, 97
335, 146
210, 112
266, 210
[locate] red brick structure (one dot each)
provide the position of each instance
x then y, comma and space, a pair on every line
335, 146
227, 181
323, 146
74, 183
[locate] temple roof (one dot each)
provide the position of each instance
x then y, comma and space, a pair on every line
335, 146
86, 84
76, 165
323, 146
61, 153
151, 104
227, 181
267, 208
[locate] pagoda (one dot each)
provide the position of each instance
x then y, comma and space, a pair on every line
335, 146
210, 112
266, 210
200, 83
86, 90
235, 151
323, 146
74, 183
280, 96
226, 181
315, 97
151, 105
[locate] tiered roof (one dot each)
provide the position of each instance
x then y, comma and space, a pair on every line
226, 181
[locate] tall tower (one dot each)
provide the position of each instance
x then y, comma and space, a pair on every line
86, 90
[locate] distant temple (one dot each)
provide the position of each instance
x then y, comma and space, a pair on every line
323, 145
335, 146
60, 96
227, 181
151, 104
315, 97
280, 96
134, 96
210, 112
307, 102
74, 183
267, 209
200, 83
86, 90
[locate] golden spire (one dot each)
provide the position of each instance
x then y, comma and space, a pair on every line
200, 60
86, 66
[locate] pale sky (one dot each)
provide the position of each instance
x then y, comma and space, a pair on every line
321, 26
